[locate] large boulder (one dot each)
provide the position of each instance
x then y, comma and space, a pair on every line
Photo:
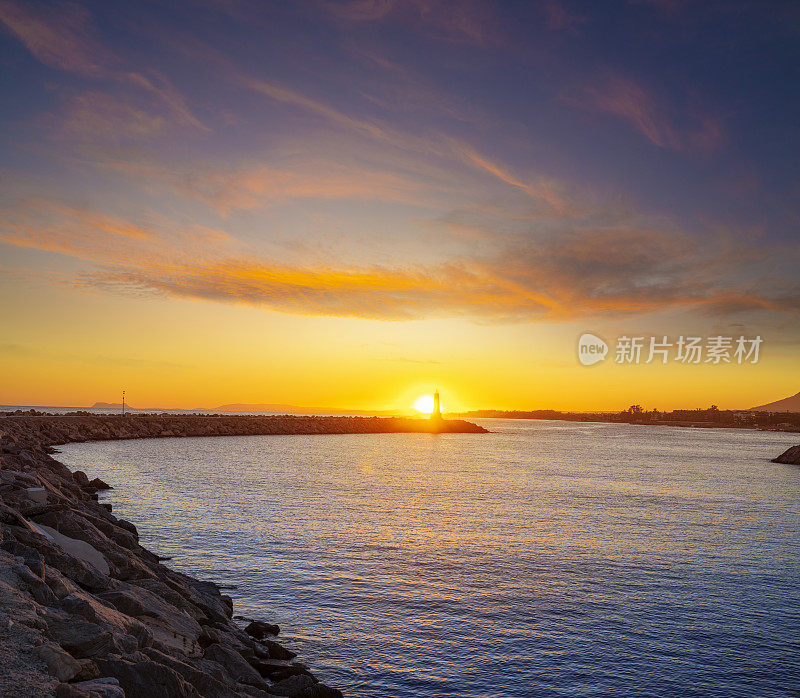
259, 629
171, 628
59, 663
84, 639
98, 484
304, 686
790, 456
143, 678
204, 595
127, 630
116, 558
78, 548
96, 688
234, 664
273, 650
72, 567
81, 478
279, 669
32, 558
23, 579
208, 677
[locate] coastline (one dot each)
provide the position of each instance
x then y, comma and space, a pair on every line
87, 612
696, 419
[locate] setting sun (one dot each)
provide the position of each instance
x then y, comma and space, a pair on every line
424, 404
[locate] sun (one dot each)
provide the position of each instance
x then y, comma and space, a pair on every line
424, 404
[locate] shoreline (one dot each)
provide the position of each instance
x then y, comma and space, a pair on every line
760, 422
87, 612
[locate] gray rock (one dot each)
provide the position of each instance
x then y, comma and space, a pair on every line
234, 664
259, 629
84, 574
81, 478
35, 586
89, 670
98, 484
96, 688
32, 557
59, 663
790, 456
209, 679
170, 627
270, 649
279, 669
205, 595
304, 686
145, 678
128, 632
83, 639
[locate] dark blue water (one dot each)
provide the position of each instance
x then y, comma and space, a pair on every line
544, 559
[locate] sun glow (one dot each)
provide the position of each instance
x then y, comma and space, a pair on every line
424, 404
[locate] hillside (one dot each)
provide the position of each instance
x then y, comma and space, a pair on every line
788, 404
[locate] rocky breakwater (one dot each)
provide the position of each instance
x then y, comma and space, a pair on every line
87, 612
49, 430
790, 456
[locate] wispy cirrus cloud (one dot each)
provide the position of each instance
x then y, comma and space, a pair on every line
431, 144
101, 117
555, 277
520, 285
102, 238
538, 187
161, 86
253, 185
625, 98
60, 36
464, 21
63, 37
560, 18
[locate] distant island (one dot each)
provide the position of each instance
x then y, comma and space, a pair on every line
109, 406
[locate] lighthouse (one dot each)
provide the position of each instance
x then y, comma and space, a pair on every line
436, 414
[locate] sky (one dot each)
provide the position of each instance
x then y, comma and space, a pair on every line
351, 203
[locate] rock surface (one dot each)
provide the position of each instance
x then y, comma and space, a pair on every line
87, 612
790, 456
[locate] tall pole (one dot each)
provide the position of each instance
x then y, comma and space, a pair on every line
123, 403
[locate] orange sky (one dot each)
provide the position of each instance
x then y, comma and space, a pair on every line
310, 204
191, 353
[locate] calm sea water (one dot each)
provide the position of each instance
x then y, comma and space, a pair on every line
543, 559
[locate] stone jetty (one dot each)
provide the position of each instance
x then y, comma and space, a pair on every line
87, 612
50, 430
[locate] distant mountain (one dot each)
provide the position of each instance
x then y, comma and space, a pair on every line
109, 406
788, 404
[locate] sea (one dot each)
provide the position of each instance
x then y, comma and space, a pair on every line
544, 558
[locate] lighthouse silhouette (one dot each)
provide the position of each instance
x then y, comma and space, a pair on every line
436, 414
